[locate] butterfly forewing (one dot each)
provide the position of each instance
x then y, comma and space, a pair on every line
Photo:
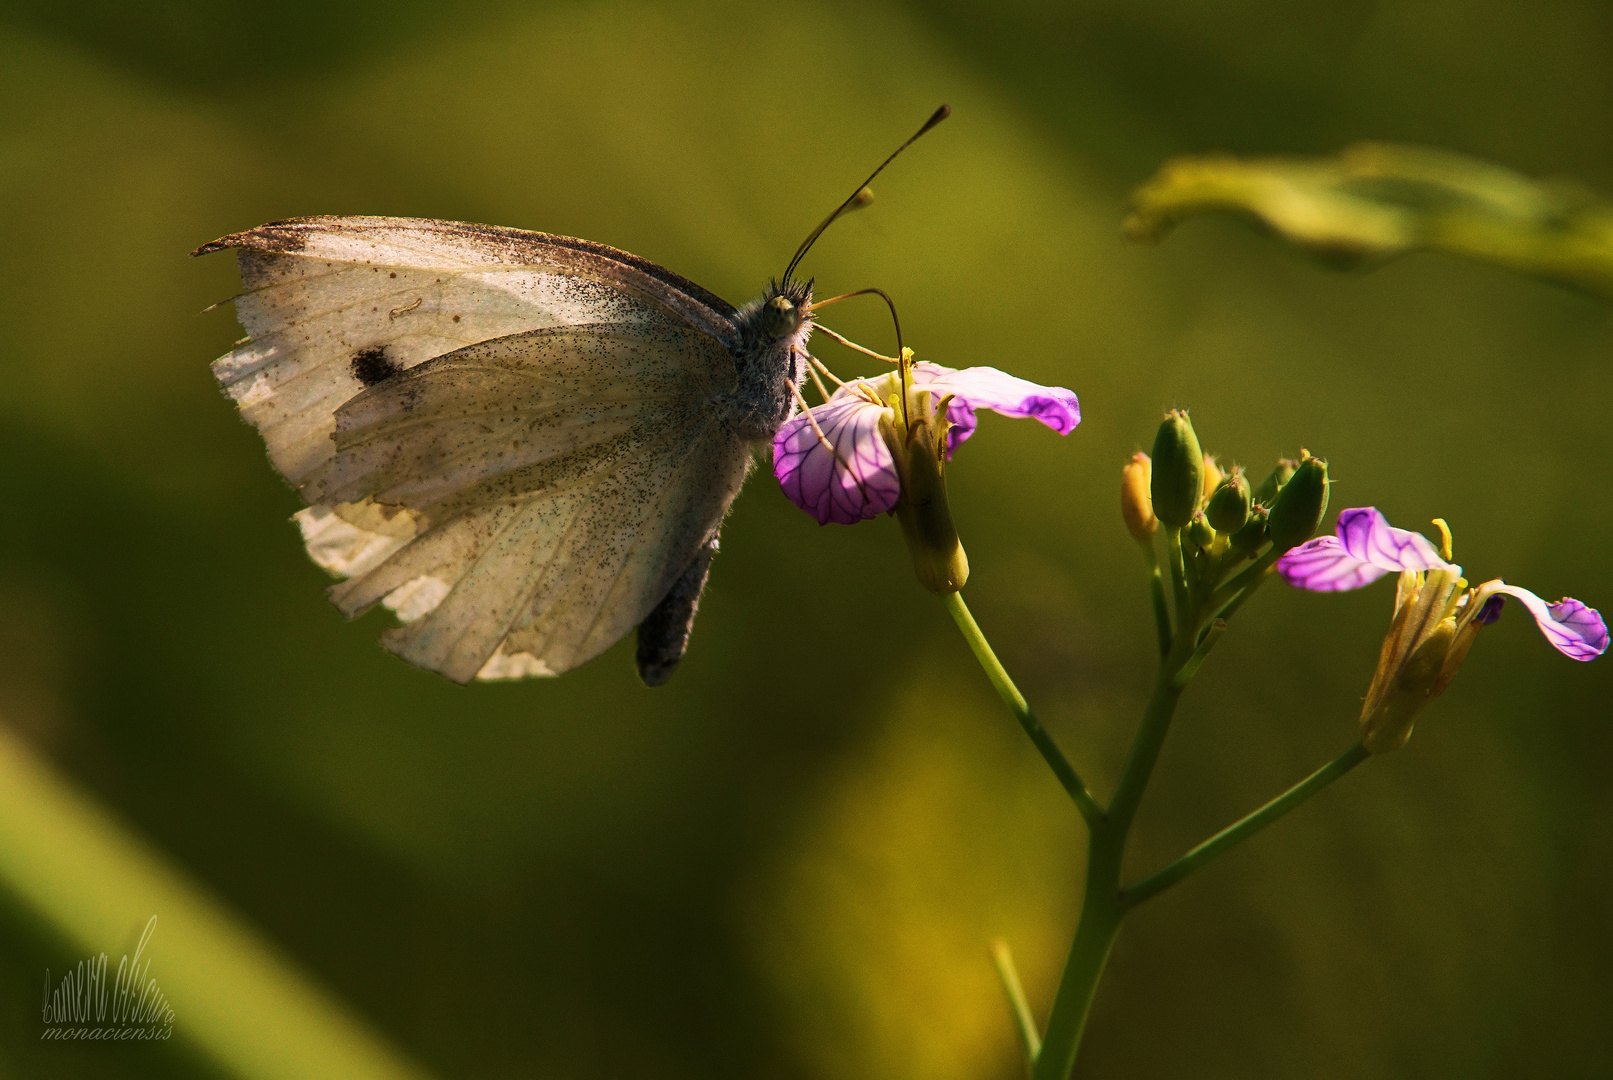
328, 300
510, 439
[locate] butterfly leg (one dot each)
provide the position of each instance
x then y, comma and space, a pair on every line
664, 633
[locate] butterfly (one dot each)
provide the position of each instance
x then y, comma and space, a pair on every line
524, 445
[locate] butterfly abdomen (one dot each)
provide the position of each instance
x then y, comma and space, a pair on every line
664, 634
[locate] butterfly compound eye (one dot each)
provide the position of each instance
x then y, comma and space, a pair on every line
779, 317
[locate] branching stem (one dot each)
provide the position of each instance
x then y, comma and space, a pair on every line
1077, 788
1243, 829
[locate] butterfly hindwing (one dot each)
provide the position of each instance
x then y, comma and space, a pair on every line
556, 483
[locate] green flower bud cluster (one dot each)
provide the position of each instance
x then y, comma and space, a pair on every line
1214, 518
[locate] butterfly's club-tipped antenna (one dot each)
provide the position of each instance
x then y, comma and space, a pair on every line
857, 197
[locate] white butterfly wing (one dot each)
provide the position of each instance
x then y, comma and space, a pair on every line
321, 293
520, 502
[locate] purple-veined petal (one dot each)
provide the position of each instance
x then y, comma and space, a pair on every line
987, 388
1365, 548
856, 480
1367, 535
1573, 629
1322, 565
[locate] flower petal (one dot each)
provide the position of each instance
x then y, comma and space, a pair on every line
1365, 548
987, 388
1367, 535
855, 481
1322, 565
1573, 629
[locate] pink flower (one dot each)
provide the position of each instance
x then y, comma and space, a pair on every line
1366, 547
864, 423
1437, 615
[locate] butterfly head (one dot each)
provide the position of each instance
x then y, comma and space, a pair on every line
786, 310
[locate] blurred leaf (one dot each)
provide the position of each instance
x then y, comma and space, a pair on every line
1377, 201
876, 925
91, 882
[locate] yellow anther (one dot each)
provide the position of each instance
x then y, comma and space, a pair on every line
1445, 538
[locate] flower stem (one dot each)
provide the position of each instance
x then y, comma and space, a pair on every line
1239, 831
1078, 791
1190, 667
1104, 903
1173, 551
1251, 576
1101, 906
1150, 738
1023, 1020
1101, 913
1156, 588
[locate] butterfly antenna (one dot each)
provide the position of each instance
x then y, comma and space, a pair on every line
857, 197
883, 295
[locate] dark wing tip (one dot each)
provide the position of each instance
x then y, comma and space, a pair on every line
284, 236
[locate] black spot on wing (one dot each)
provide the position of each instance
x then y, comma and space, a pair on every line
372, 365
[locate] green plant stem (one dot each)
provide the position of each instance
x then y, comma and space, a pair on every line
1241, 830
1250, 577
1101, 910
1104, 903
1017, 1002
1101, 913
1173, 551
1190, 666
1077, 788
1156, 589
1192, 571
1150, 738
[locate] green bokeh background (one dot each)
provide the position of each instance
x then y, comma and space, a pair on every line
789, 862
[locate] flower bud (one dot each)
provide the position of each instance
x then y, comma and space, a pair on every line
1253, 533
1418, 682
1212, 474
932, 539
1228, 509
1199, 532
1135, 506
1273, 483
1178, 481
1300, 505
